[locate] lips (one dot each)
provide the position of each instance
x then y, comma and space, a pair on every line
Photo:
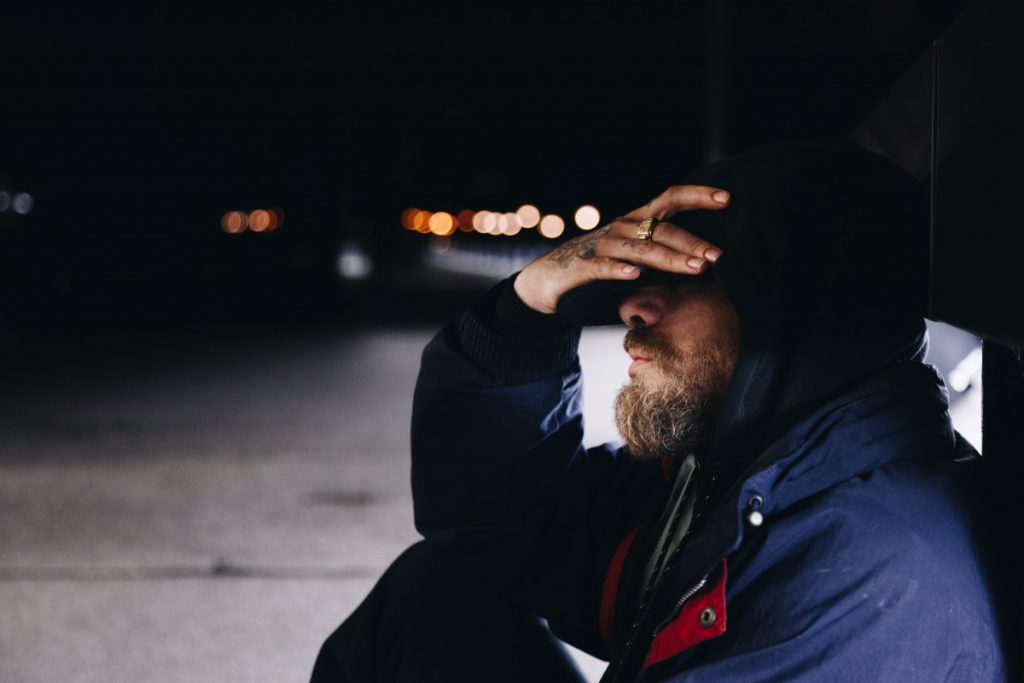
638, 360
639, 351
635, 366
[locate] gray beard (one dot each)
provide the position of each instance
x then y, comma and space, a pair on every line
660, 423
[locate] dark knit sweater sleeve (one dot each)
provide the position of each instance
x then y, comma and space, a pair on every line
513, 342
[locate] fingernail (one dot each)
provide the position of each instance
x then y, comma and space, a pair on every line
695, 262
721, 196
628, 269
712, 254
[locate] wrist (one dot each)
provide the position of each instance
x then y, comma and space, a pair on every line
527, 291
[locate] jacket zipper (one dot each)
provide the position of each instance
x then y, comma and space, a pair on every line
679, 604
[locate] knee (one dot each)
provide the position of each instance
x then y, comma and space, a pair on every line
327, 668
425, 586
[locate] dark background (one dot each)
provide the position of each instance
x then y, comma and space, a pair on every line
134, 131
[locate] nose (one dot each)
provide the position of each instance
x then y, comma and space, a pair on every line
643, 308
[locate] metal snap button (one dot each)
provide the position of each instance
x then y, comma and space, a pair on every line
708, 617
754, 515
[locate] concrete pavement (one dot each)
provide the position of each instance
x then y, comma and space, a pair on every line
210, 510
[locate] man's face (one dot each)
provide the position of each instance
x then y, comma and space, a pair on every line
684, 342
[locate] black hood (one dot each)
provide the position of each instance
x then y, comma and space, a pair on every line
825, 259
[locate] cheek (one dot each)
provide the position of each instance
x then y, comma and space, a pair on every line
713, 335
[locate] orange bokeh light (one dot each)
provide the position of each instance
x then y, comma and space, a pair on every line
442, 223
421, 221
466, 220
276, 217
259, 220
234, 222
408, 216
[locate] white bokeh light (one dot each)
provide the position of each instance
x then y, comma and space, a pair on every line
552, 226
529, 215
587, 217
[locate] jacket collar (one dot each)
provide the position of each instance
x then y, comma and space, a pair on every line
901, 413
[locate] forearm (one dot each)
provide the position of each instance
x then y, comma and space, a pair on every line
500, 473
495, 417
511, 342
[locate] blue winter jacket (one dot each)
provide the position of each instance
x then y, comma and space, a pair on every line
832, 537
847, 555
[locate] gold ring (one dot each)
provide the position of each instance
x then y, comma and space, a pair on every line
645, 231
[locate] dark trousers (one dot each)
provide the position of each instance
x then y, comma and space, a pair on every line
430, 618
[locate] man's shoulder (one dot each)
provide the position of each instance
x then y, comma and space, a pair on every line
887, 550
880, 570
906, 515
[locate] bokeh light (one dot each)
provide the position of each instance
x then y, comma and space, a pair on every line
408, 216
421, 221
276, 218
234, 222
489, 224
259, 220
466, 220
478, 220
552, 226
587, 217
442, 223
22, 203
512, 225
529, 215
353, 262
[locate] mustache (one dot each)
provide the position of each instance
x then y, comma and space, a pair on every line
651, 344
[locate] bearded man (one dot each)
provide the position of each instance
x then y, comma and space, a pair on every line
790, 501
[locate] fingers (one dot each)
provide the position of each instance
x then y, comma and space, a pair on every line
682, 198
621, 244
613, 269
682, 240
671, 248
688, 198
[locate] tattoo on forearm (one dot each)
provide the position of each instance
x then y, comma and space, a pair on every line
583, 248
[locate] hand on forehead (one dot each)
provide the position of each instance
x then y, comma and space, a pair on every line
618, 251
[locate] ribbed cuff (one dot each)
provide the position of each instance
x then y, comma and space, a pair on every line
513, 342
512, 317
